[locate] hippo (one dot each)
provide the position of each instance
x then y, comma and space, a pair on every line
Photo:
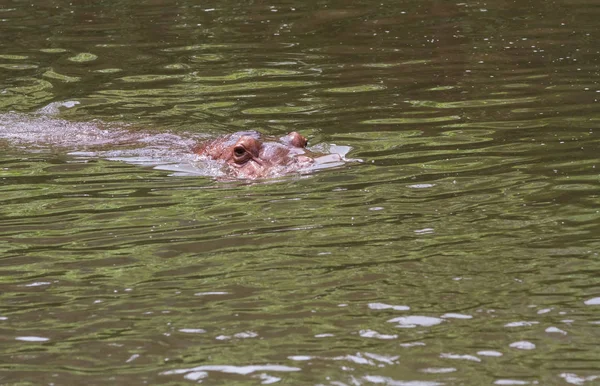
241, 155
250, 155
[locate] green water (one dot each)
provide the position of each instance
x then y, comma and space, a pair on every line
462, 251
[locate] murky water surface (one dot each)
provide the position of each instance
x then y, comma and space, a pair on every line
463, 250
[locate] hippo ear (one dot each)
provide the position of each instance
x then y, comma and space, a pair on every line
295, 139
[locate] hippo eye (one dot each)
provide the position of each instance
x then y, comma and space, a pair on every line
239, 151
240, 155
246, 149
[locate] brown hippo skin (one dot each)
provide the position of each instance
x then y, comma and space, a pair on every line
250, 155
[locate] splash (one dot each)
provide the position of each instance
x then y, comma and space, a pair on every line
43, 131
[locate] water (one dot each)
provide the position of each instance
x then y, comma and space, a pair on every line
462, 251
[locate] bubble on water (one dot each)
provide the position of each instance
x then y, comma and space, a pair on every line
592, 302
300, 357
229, 369
451, 315
555, 330
389, 381
416, 320
32, 338
521, 324
192, 330
489, 353
438, 370
523, 345
460, 356
376, 335
383, 306
575, 379
510, 382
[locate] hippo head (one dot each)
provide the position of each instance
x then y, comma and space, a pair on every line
249, 155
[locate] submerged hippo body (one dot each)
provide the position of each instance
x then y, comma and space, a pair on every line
247, 154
